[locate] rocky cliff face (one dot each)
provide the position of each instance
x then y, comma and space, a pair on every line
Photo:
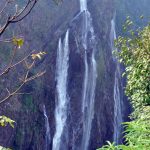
48, 23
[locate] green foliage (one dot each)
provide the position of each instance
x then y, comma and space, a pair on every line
38, 55
18, 42
110, 146
3, 148
4, 121
125, 8
137, 135
135, 55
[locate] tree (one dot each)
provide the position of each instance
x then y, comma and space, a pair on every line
27, 62
11, 13
17, 43
18, 15
12, 18
135, 55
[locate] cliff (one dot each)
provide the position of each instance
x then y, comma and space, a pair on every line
42, 30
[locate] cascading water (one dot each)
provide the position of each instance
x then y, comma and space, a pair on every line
118, 119
47, 127
117, 110
62, 96
88, 94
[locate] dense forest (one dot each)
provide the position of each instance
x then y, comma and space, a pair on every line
74, 75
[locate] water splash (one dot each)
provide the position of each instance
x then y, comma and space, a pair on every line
62, 96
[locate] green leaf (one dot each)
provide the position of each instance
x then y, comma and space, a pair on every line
3, 148
18, 42
4, 121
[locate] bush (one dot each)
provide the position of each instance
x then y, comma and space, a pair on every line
135, 55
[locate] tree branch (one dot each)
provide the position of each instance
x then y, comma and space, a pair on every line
10, 66
26, 79
5, 5
18, 16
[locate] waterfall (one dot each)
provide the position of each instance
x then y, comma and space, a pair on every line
90, 74
117, 110
47, 127
117, 95
62, 97
83, 5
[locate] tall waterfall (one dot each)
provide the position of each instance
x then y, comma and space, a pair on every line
117, 95
88, 94
47, 127
62, 96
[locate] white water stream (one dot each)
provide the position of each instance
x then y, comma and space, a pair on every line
90, 74
47, 127
62, 96
117, 96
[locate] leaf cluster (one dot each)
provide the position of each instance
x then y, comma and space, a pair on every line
135, 55
38, 55
137, 135
3, 148
18, 42
4, 121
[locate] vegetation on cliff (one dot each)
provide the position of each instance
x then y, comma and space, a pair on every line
135, 55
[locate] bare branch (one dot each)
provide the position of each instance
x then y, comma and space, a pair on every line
7, 90
10, 40
35, 76
5, 5
26, 79
6, 40
23, 93
29, 66
10, 63
11, 94
18, 16
10, 66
